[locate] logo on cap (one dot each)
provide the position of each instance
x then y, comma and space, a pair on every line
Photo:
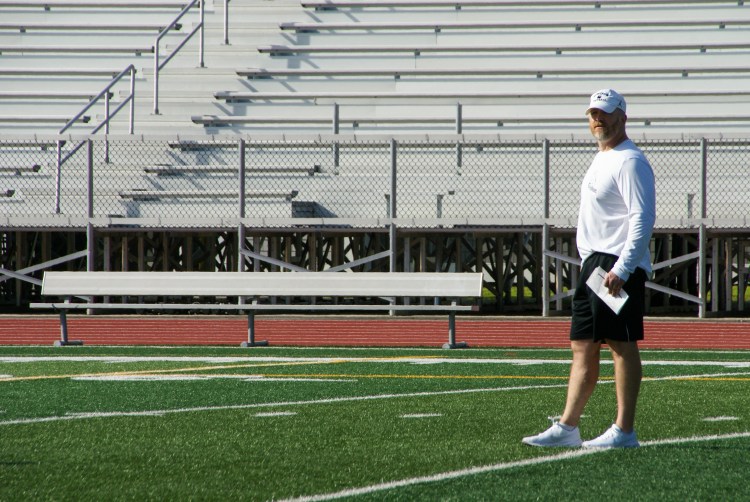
607, 100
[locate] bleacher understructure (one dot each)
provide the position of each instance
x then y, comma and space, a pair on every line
371, 135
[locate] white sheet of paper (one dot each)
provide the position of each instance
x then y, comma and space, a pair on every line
596, 283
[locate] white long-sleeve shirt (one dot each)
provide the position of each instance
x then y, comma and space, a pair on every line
618, 208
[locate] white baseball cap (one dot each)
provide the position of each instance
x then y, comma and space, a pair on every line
607, 100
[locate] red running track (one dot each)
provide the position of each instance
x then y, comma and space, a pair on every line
353, 331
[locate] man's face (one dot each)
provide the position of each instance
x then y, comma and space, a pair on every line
605, 126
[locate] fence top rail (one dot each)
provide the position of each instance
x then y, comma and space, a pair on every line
285, 140
510, 25
458, 4
347, 225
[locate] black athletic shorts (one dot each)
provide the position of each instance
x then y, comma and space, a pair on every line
593, 319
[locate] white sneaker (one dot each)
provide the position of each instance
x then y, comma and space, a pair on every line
613, 438
555, 436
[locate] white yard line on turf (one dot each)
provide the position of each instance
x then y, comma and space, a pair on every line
395, 359
444, 476
374, 397
276, 404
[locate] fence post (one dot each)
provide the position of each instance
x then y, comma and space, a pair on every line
704, 175
545, 271
90, 241
702, 270
58, 175
241, 212
545, 177
459, 130
90, 178
336, 127
392, 206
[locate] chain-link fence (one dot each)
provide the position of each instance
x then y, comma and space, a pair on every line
282, 182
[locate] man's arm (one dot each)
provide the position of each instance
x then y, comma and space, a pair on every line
637, 187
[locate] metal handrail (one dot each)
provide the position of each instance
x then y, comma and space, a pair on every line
159, 65
130, 98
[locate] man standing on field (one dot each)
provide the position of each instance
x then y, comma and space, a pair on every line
615, 222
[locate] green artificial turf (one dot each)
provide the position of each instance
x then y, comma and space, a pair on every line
279, 423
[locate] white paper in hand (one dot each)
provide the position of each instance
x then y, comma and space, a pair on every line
596, 283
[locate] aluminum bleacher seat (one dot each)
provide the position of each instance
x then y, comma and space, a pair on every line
49, 5
417, 50
307, 27
83, 27
458, 4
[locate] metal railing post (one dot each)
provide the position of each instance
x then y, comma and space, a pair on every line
156, 77
226, 22
159, 65
201, 35
131, 117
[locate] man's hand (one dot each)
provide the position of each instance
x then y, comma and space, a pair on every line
613, 283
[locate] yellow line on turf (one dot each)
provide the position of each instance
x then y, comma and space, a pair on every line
206, 368
354, 375
163, 371
417, 377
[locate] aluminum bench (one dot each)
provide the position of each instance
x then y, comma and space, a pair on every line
261, 284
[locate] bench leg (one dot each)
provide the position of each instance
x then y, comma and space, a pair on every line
251, 333
63, 341
452, 334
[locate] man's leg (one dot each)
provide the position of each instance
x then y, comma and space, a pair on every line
584, 373
628, 374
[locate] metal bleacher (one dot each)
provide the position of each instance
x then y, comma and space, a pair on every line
483, 101
392, 67
351, 67
522, 67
